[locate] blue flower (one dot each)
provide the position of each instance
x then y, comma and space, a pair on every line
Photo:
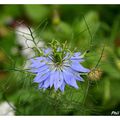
57, 68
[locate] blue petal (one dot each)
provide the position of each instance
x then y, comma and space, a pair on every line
59, 79
62, 87
46, 51
38, 62
40, 85
78, 67
77, 57
52, 77
43, 72
37, 65
38, 70
73, 83
79, 78
75, 74
41, 77
46, 83
67, 76
45, 67
69, 79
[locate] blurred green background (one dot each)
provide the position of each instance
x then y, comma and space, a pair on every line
99, 94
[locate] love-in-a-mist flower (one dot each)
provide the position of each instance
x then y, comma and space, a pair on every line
57, 67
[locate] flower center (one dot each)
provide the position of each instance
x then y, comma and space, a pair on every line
58, 58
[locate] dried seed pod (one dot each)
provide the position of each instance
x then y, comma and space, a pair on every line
95, 74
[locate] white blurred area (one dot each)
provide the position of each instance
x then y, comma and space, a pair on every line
6, 109
24, 39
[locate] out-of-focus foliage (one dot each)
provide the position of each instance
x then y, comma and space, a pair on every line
81, 26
